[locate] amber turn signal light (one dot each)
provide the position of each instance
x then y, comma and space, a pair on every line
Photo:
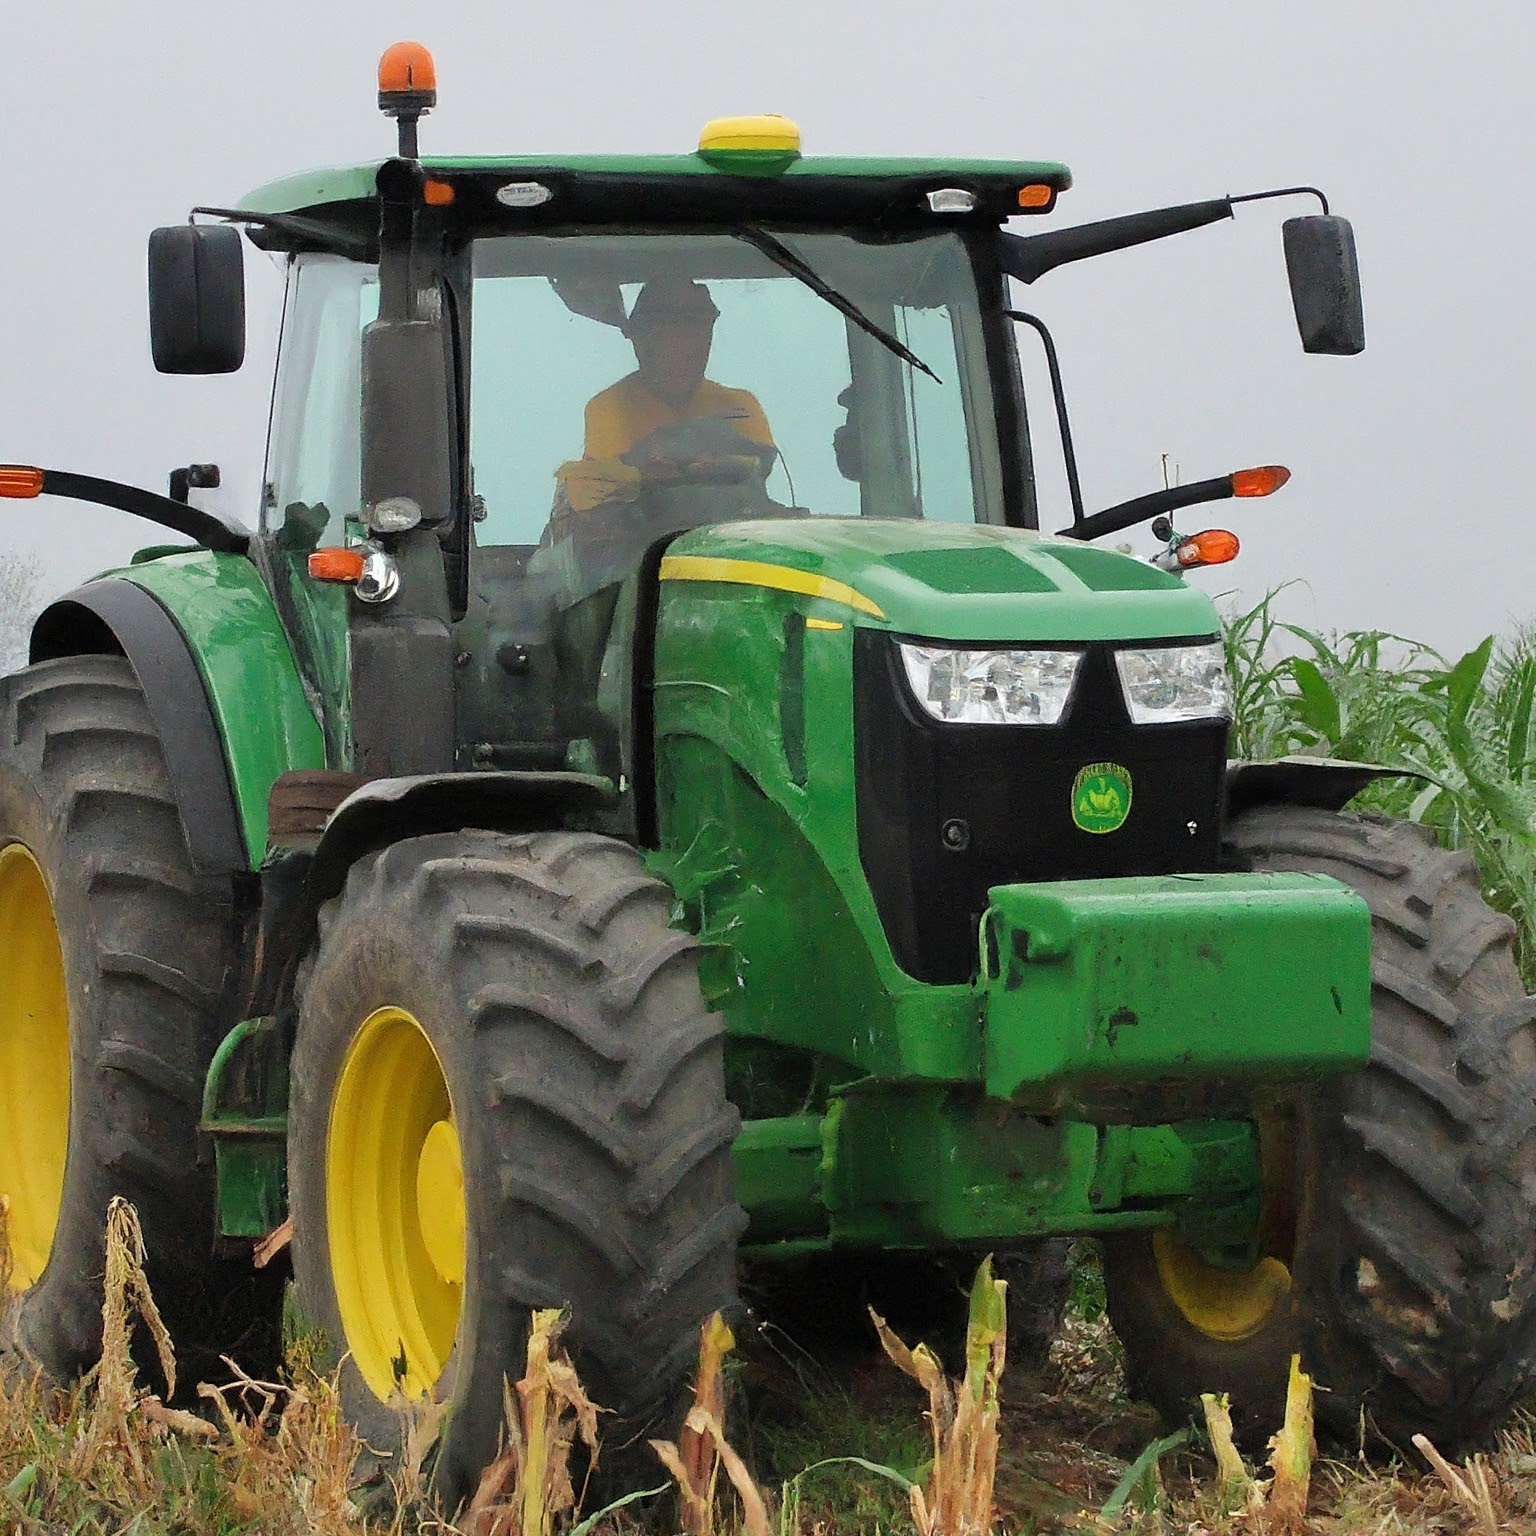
406, 67
437, 194
20, 480
1259, 482
1215, 546
343, 565
1036, 195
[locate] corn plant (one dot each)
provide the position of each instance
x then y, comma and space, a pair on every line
1462, 734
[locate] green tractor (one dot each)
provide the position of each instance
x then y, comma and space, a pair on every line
648, 794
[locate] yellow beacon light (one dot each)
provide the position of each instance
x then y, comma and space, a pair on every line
765, 143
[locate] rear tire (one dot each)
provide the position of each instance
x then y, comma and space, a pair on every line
1407, 1202
535, 983
103, 1050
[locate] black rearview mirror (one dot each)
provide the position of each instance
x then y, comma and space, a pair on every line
196, 299
1325, 284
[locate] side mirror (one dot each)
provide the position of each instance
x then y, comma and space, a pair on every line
1325, 284
196, 299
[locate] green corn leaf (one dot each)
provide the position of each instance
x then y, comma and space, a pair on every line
21, 1485
602, 1514
1466, 678
1137, 1471
1518, 746
1319, 707
890, 1474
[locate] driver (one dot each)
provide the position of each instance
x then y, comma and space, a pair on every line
671, 327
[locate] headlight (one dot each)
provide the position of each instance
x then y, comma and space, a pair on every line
991, 687
1175, 682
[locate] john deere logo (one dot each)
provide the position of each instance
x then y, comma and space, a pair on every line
1101, 797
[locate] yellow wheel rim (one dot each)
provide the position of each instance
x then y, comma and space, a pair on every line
1226, 1304
34, 1064
395, 1206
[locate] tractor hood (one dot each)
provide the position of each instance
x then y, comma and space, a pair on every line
949, 581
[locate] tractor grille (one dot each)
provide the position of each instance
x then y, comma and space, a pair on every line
948, 811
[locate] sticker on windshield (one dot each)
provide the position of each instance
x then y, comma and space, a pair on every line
1101, 797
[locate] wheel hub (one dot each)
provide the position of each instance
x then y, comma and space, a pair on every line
34, 1064
440, 1201
1225, 1304
395, 1206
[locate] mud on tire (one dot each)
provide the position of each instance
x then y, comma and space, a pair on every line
1413, 1183
587, 1091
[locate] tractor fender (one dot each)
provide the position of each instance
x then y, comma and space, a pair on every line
218, 671
387, 810
1324, 782
118, 618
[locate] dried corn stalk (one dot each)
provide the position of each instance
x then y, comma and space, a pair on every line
528, 1486
1238, 1489
1291, 1452
1473, 1486
957, 1500
702, 1449
115, 1379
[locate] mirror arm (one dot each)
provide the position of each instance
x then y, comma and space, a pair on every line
1259, 197
1143, 508
1028, 257
1063, 426
205, 528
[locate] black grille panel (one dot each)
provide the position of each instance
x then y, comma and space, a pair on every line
1004, 795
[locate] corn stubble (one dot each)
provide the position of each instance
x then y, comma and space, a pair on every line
279, 1458
957, 1497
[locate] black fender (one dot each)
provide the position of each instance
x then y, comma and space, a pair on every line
1325, 782
115, 617
386, 810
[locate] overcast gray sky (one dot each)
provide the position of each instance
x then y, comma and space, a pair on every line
1410, 508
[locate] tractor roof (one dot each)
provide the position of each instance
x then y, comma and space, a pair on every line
532, 192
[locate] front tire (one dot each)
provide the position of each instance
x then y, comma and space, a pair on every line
507, 1094
1400, 1202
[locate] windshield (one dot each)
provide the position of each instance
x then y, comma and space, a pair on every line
605, 366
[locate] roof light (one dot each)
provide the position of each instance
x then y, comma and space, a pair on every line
523, 194
437, 194
21, 481
766, 142
1036, 195
407, 69
407, 89
394, 514
1263, 481
952, 200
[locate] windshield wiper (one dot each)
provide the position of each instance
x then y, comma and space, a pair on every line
781, 255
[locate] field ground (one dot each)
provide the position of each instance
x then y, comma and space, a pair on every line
274, 1459
1069, 1435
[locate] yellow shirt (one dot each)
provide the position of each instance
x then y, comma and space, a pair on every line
627, 412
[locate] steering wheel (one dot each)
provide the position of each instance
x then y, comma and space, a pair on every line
708, 451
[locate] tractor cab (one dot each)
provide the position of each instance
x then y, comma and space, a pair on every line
559, 366
628, 348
